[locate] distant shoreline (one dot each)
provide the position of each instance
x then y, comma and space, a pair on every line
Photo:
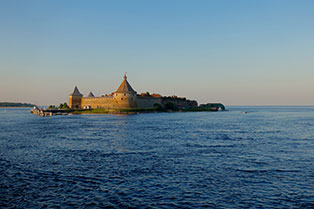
15, 104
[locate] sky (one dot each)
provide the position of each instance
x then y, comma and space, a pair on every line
244, 52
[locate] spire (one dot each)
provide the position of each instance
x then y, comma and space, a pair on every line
125, 87
90, 94
76, 92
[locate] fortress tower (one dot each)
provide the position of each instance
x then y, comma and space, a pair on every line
125, 97
75, 99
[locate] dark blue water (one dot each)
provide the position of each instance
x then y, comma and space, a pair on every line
263, 159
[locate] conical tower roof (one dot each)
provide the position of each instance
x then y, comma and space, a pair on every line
125, 87
76, 92
90, 94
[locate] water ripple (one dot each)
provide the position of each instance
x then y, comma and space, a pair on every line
179, 160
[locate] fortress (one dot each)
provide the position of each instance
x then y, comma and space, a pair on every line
125, 98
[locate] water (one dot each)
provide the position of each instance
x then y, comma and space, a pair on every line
263, 159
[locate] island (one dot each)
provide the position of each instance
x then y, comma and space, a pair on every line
125, 100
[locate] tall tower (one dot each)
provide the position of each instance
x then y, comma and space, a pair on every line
125, 96
75, 99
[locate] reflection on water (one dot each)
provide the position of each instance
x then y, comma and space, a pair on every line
209, 159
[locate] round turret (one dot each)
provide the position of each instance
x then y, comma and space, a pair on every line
125, 97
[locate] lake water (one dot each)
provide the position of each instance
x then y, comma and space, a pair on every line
262, 159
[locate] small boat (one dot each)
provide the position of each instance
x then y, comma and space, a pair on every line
244, 112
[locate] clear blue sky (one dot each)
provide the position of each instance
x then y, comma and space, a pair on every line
237, 52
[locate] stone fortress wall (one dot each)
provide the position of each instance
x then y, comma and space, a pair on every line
97, 102
124, 98
111, 102
148, 102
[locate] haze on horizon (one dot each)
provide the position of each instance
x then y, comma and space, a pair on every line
235, 52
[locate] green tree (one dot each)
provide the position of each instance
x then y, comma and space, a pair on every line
158, 107
52, 107
171, 106
65, 106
